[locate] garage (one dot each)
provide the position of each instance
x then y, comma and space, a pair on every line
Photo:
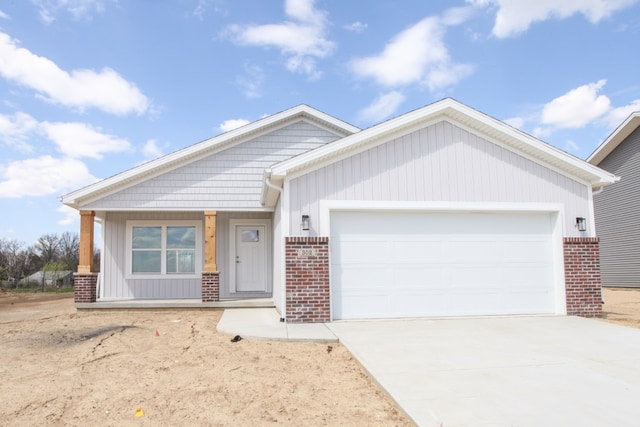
389, 264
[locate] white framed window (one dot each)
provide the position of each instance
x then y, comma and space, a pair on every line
164, 248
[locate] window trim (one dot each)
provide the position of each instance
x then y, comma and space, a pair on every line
163, 275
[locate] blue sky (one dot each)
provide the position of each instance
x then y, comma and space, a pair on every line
89, 88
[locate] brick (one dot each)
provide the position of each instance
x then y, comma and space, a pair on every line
582, 276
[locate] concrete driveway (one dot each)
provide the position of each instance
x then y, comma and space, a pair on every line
509, 371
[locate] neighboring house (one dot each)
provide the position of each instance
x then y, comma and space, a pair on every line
443, 211
50, 278
617, 208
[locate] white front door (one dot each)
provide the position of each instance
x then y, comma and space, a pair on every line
249, 258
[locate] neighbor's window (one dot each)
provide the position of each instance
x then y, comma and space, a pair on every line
161, 249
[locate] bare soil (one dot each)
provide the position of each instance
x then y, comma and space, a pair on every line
60, 367
622, 306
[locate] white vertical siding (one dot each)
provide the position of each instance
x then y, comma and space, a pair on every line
441, 162
115, 281
231, 179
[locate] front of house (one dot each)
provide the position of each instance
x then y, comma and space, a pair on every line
443, 211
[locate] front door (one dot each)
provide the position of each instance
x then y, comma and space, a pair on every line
249, 258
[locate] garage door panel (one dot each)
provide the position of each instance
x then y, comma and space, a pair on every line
446, 264
355, 250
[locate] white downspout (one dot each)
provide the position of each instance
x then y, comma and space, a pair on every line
267, 181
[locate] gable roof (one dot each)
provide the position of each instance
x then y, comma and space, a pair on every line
207, 147
617, 136
459, 114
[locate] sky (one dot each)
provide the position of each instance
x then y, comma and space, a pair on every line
90, 88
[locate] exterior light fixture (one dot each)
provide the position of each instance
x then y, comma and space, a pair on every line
305, 222
581, 223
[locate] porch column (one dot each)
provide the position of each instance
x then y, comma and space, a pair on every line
85, 264
85, 279
210, 273
210, 264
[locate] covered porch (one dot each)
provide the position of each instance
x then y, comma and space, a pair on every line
230, 254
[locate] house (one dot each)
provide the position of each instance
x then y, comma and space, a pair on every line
50, 278
442, 211
617, 209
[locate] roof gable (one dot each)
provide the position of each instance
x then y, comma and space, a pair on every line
616, 138
459, 114
208, 147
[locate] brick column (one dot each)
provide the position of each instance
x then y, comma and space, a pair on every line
307, 279
582, 276
84, 287
210, 286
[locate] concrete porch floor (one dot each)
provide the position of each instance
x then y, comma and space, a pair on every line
135, 304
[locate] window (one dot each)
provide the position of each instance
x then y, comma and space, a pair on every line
159, 249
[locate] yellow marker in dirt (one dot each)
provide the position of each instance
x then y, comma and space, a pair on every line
139, 412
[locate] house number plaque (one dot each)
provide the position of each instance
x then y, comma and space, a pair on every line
307, 252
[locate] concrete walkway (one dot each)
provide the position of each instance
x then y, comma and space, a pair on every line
509, 371
264, 323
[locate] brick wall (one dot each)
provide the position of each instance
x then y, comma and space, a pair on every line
84, 287
582, 276
307, 279
210, 286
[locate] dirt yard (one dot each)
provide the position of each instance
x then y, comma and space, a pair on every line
59, 367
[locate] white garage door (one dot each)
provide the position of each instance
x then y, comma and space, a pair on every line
389, 265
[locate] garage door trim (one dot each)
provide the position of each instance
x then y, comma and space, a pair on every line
554, 210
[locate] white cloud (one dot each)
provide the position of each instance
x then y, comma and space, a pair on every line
417, 55
571, 145
514, 17
619, 114
105, 90
577, 108
232, 124
516, 122
150, 150
82, 140
302, 39
43, 176
382, 107
356, 27
69, 215
4, 15
251, 83
14, 130
79, 9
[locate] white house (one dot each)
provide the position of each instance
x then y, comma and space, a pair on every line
442, 211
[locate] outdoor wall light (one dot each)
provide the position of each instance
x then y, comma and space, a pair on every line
581, 223
305, 222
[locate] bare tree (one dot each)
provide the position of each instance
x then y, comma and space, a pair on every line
69, 249
47, 248
13, 256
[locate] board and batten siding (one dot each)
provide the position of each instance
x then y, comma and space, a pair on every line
114, 277
441, 162
227, 180
617, 210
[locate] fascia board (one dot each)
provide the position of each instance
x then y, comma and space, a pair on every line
621, 133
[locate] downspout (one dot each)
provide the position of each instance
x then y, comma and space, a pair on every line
267, 181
